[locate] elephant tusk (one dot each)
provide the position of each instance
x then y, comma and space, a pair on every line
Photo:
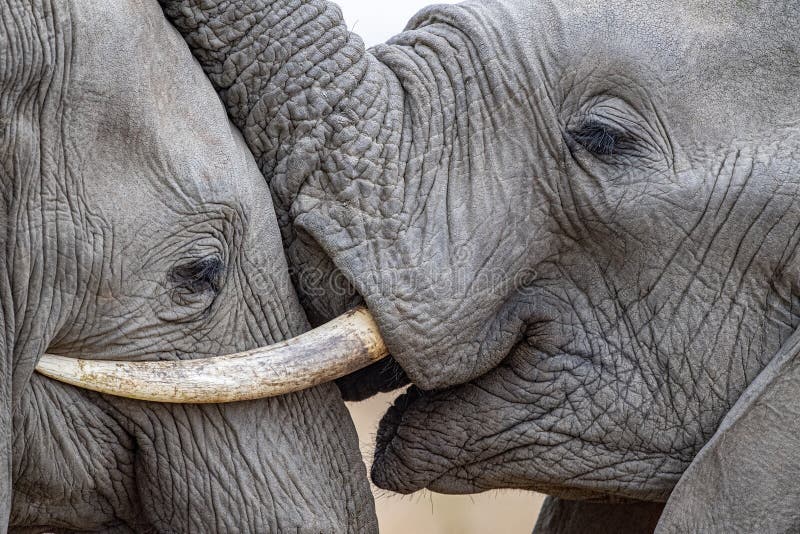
344, 345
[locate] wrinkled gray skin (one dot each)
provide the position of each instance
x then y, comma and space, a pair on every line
134, 224
575, 222
561, 516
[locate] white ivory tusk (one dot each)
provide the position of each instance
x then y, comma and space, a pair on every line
344, 345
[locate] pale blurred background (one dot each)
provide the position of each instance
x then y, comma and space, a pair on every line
507, 512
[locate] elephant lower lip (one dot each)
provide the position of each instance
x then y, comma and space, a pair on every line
390, 423
394, 416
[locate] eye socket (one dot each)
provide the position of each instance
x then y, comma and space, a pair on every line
196, 280
616, 131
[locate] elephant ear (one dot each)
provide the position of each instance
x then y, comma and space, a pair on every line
747, 477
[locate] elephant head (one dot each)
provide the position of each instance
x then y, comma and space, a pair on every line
575, 223
135, 225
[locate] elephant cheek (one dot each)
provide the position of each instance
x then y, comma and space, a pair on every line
288, 463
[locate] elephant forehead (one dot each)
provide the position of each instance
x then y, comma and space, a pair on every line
143, 106
150, 129
719, 69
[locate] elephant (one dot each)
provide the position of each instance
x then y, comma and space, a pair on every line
575, 224
135, 225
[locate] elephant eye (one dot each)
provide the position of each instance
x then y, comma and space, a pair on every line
600, 138
196, 278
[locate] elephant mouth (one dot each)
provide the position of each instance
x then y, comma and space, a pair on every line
388, 428
386, 472
340, 347
392, 420
416, 450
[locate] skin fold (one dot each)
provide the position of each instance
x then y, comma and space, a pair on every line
574, 222
135, 225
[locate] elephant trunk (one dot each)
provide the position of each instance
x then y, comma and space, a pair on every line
368, 154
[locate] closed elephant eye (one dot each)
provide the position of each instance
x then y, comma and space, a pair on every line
605, 139
197, 279
614, 133
597, 137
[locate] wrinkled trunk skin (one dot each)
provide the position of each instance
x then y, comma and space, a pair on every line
300, 104
359, 146
86, 462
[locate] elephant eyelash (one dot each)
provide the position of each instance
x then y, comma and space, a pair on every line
602, 139
597, 138
197, 277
